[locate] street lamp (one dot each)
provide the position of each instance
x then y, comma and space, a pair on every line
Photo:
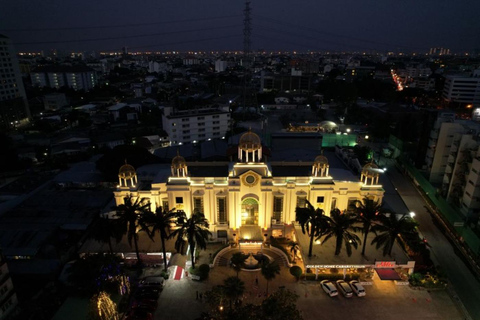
412, 214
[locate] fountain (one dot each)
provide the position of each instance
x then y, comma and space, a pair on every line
254, 261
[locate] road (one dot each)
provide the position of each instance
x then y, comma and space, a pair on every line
466, 286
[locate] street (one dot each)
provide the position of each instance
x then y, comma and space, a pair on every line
466, 286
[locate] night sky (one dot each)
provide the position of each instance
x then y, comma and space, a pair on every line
187, 25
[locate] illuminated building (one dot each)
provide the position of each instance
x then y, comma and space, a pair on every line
250, 193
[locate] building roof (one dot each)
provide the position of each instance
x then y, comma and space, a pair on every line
62, 68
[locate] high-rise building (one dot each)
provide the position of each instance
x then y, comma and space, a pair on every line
453, 161
463, 89
13, 100
8, 298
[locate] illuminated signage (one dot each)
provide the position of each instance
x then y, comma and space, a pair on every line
385, 264
337, 266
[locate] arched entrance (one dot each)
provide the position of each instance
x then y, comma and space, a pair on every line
249, 212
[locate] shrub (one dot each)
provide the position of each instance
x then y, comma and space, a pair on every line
296, 271
164, 274
203, 271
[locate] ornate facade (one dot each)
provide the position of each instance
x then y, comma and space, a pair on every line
249, 193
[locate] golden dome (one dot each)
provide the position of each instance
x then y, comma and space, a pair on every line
179, 162
250, 141
321, 161
126, 171
370, 169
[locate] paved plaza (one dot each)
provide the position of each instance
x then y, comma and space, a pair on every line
384, 299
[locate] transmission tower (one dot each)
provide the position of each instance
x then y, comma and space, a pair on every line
247, 31
249, 94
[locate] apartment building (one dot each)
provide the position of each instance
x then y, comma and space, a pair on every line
463, 89
194, 125
56, 76
453, 161
14, 107
8, 298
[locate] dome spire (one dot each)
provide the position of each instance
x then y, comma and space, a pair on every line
179, 166
250, 147
320, 166
127, 175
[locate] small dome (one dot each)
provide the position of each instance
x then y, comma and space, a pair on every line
370, 169
321, 161
250, 141
126, 171
328, 125
179, 162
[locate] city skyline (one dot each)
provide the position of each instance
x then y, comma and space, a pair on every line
364, 26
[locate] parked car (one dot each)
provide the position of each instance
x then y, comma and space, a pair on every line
329, 288
152, 281
139, 314
146, 304
147, 293
344, 288
358, 288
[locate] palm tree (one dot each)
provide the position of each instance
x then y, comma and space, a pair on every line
129, 215
104, 229
194, 230
233, 288
238, 261
390, 229
270, 271
161, 221
368, 212
341, 226
294, 248
313, 222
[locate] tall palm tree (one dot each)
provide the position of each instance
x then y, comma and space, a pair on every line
270, 271
368, 212
233, 288
194, 230
313, 222
390, 228
104, 229
341, 227
238, 261
160, 221
129, 214
294, 248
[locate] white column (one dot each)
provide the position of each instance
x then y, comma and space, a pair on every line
131, 180
120, 181
259, 154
